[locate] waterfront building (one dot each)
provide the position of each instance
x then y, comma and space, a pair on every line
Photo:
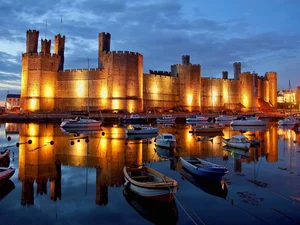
119, 83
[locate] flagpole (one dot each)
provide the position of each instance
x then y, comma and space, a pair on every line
60, 23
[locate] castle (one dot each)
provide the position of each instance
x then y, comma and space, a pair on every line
120, 84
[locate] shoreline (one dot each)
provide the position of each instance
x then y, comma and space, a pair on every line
111, 117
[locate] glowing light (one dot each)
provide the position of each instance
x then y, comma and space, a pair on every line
104, 93
33, 106
116, 104
189, 99
80, 88
33, 129
49, 91
155, 89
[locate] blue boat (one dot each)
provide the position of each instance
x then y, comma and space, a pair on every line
203, 168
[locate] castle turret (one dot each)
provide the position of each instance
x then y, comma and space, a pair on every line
225, 75
272, 78
32, 37
59, 49
46, 46
237, 68
185, 59
103, 46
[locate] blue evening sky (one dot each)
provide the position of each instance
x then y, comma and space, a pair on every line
262, 35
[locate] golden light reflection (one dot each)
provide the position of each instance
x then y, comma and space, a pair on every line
116, 103
33, 130
104, 92
103, 146
33, 104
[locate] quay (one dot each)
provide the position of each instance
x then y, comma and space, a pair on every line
112, 117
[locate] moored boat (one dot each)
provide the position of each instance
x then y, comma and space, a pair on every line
287, 121
80, 122
135, 118
6, 173
252, 120
237, 141
149, 183
141, 129
166, 140
225, 118
195, 118
204, 168
166, 119
207, 128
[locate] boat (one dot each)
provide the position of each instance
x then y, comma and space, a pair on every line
237, 141
141, 129
215, 188
288, 121
135, 118
252, 120
5, 188
195, 118
207, 128
4, 154
154, 211
221, 118
82, 122
78, 131
166, 140
149, 183
6, 173
203, 168
166, 119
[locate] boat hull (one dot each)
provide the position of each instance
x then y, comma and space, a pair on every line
208, 130
215, 174
166, 143
6, 173
81, 124
249, 123
239, 145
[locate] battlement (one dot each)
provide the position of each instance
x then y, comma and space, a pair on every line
104, 33
41, 54
159, 72
32, 31
123, 53
82, 70
59, 36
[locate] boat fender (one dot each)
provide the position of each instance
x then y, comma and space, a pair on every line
103, 133
29, 141
295, 141
87, 140
72, 143
9, 138
78, 140
198, 139
154, 139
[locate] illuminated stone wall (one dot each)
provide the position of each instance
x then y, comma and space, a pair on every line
272, 78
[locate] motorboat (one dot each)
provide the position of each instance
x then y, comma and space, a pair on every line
215, 188
236, 152
221, 118
207, 128
80, 123
149, 183
288, 121
195, 118
141, 129
166, 140
248, 121
166, 119
165, 153
135, 119
203, 168
6, 173
154, 211
237, 141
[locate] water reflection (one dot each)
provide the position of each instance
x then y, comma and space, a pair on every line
108, 150
5, 188
215, 188
154, 211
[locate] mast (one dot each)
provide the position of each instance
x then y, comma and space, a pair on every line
88, 87
254, 93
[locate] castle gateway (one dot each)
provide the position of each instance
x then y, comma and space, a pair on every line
120, 84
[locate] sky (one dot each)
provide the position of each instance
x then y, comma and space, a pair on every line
263, 35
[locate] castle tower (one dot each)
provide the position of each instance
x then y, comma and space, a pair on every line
59, 49
32, 37
46, 46
103, 46
225, 75
272, 78
185, 59
237, 68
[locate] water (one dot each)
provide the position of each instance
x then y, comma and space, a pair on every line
79, 182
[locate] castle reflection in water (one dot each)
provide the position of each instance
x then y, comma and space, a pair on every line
108, 151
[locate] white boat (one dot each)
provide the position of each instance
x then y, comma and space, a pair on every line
135, 118
225, 118
288, 121
141, 129
248, 121
6, 173
195, 118
207, 128
204, 168
166, 119
80, 122
237, 141
236, 152
149, 183
166, 140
